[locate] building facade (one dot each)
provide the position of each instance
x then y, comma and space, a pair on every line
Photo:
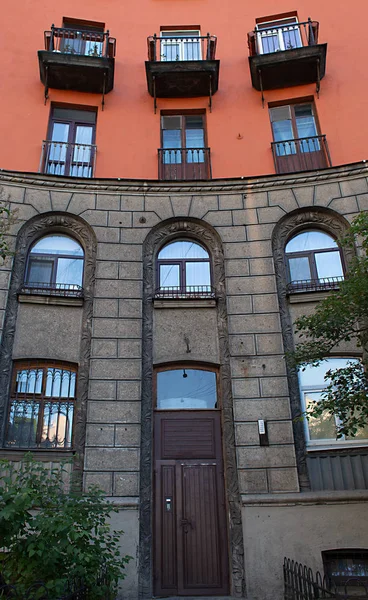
171, 221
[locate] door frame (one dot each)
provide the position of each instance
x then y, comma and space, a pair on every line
201, 232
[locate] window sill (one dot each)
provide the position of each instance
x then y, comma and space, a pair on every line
299, 297
184, 303
16, 454
334, 446
33, 298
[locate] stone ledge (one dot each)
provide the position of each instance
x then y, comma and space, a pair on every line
55, 300
300, 297
184, 303
286, 499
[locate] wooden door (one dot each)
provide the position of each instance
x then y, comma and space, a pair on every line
190, 550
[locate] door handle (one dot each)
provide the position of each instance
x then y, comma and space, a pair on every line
185, 523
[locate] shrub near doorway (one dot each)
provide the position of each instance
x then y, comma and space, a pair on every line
56, 536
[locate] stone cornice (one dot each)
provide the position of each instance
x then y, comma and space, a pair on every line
214, 186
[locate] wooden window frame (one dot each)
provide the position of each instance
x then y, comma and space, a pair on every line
40, 400
182, 262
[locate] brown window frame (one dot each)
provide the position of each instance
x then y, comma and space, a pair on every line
38, 402
183, 290
345, 581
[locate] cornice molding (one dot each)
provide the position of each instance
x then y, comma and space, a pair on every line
141, 186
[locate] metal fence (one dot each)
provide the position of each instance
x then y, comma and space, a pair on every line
301, 583
314, 285
278, 37
184, 163
301, 154
168, 48
189, 291
63, 158
66, 40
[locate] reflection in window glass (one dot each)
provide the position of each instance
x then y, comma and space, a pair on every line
312, 383
169, 276
198, 274
186, 389
299, 268
183, 249
55, 261
329, 264
310, 240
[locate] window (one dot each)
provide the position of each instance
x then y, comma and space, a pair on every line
184, 270
41, 405
55, 262
297, 144
81, 37
186, 388
180, 45
346, 567
322, 430
313, 261
70, 148
184, 154
278, 35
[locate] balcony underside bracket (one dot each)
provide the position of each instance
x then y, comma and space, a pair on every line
261, 86
318, 82
154, 94
103, 91
46, 85
210, 95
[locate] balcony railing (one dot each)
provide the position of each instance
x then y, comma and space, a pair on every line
301, 154
189, 291
74, 160
314, 285
184, 163
183, 48
98, 44
279, 38
69, 290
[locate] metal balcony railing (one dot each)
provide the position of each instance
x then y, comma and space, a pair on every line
69, 290
184, 163
181, 48
65, 40
61, 158
278, 38
189, 291
314, 285
301, 154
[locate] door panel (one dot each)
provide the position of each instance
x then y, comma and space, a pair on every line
190, 551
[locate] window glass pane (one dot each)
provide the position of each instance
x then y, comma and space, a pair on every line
310, 240
183, 249
22, 426
40, 271
283, 133
191, 48
194, 139
270, 41
57, 244
69, 271
171, 138
60, 132
291, 38
299, 269
323, 427
186, 389
57, 425
361, 434
170, 50
29, 381
329, 264
198, 274
60, 383
315, 376
169, 276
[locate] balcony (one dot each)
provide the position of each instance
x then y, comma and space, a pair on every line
191, 292
314, 285
82, 61
184, 164
286, 55
301, 154
182, 67
73, 160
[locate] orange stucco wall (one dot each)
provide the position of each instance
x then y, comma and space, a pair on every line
128, 131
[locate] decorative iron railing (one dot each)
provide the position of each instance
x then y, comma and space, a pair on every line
268, 38
301, 154
97, 44
184, 163
70, 290
62, 158
190, 291
300, 583
314, 285
181, 48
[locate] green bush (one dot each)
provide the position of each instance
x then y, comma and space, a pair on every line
53, 535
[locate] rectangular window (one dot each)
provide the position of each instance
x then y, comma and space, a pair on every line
321, 431
70, 148
184, 154
278, 35
180, 45
81, 37
347, 569
297, 144
41, 405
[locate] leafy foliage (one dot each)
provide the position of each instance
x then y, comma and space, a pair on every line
341, 317
56, 536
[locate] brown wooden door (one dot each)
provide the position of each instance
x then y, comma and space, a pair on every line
190, 525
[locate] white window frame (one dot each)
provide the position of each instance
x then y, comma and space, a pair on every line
327, 443
266, 30
185, 33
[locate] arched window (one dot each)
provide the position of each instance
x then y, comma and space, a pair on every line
41, 405
313, 261
183, 270
55, 262
186, 389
